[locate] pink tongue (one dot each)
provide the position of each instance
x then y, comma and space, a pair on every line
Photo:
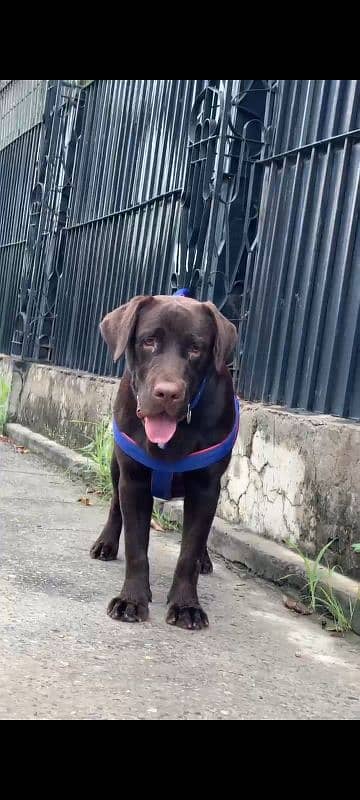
160, 429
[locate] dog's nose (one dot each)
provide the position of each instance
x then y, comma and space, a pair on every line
169, 390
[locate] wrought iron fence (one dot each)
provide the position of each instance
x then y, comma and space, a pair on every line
17, 164
246, 191
300, 334
121, 231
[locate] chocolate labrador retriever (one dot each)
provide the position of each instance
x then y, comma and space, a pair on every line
175, 399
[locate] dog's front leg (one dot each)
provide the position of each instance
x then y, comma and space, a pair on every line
136, 502
201, 496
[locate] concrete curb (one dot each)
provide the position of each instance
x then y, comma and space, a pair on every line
76, 464
274, 562
237, 545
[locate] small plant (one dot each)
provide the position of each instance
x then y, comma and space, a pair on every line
311, 570
99, 450
323, 597
4, 399
356, 547
164, 522
328, 601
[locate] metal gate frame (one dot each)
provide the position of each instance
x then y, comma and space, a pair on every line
34, 327
226, 135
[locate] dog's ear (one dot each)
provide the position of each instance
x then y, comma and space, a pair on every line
118, 327
225, 337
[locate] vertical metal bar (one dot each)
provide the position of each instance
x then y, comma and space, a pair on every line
335, 327
210, 254
291, 297
324, 266
277, 299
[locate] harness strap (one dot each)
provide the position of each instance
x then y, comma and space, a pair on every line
200, 459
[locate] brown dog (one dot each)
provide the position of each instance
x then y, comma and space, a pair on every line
172, 344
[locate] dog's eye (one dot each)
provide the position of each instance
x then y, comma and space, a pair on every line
194, 350
149, 343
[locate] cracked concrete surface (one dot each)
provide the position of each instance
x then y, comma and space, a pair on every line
296, 476
62, 658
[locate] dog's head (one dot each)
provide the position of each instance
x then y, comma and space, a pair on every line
170, 343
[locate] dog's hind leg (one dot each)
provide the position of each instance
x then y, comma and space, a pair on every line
107, 545
206, 566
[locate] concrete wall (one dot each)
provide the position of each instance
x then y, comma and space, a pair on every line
6, 374
6, 367
291, 476
59, 403
296, 477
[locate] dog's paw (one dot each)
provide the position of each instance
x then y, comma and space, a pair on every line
105, 548
127, 611
191, 618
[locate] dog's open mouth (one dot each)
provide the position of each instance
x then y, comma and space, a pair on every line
160, 429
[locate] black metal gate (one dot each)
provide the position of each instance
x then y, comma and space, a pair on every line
246, 191
300, 329
19, 141
140, 186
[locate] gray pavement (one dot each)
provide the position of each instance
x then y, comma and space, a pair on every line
61, 657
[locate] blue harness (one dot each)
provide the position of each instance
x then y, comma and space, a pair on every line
163, 473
